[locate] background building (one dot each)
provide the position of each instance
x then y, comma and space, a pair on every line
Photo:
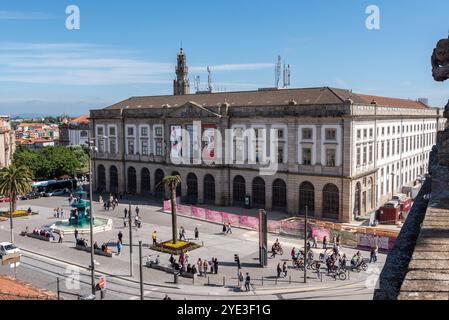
7, 142
75, 132
340, 153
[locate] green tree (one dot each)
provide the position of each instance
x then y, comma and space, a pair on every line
15, 181
172, 182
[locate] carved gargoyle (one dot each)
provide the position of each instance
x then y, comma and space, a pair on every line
440, 61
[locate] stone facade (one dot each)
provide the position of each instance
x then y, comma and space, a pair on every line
319, 143
7, 142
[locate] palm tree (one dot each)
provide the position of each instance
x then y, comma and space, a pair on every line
15, 181
172, 183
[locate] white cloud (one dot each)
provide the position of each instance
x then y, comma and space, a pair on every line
17, 15
84, 64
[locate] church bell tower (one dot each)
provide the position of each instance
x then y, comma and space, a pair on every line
181, 84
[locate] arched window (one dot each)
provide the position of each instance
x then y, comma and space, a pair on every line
178, 188
113, 179
192, 188
279, 195
238, 191
159, 188
259, 193
209, 189
357, 200
331, 202
307, 198
145, 181
132, 180
101, 178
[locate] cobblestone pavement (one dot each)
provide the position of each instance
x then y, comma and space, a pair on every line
242, 242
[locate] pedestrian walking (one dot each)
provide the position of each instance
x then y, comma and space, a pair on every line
284, 269
120, 237
124, 222
315, 242
224, 228
247, 282
61, 237
62, 213
241, 279
119, 248
183, 234
206, 267
229, 230
197, 233
338, 240
325, 243
200, 267
126, 212
373, 254
279, 270
76, 234
137, 210
153, 237
215, 262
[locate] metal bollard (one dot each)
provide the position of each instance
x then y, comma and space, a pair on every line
289, 279
262, 281
349, 274
321, 276
276, 282
224, 281
208, 281
193, 279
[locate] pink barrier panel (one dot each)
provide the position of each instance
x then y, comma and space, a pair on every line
184, 210
368, 241
233, 219
249, 222
274, 226
320, 233
391, 243
167, 206
199, 213
292, 227
214, 216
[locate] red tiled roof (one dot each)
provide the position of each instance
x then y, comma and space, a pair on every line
281, 97
11, 289
82, 119
393, 102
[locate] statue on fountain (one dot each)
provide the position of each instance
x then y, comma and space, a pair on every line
80, 214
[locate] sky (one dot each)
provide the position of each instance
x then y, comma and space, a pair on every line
128, 48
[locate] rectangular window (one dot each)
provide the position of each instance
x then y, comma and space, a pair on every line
307, 156
365, 158
112, 132
365, 133
330, 157
358, 159
144, 132
112, 146
307, 134
159, 149
130, 146
370, 154
359, 134
382, 150
280, 134
158, 131
371, 133
130, 131
280, 154
100, 131
144, 147
101, 148
331, 134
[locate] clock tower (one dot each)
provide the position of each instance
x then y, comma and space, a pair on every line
181, 84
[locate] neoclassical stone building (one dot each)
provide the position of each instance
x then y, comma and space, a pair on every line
7, 142
340, 153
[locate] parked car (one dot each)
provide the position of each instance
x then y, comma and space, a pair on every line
8, 248
5, 199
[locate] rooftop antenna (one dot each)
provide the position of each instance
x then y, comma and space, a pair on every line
209, 79
278, 72
197, 83
286, 76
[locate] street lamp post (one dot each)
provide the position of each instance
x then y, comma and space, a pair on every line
91, 214
392, 184
305, 244
130, 241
